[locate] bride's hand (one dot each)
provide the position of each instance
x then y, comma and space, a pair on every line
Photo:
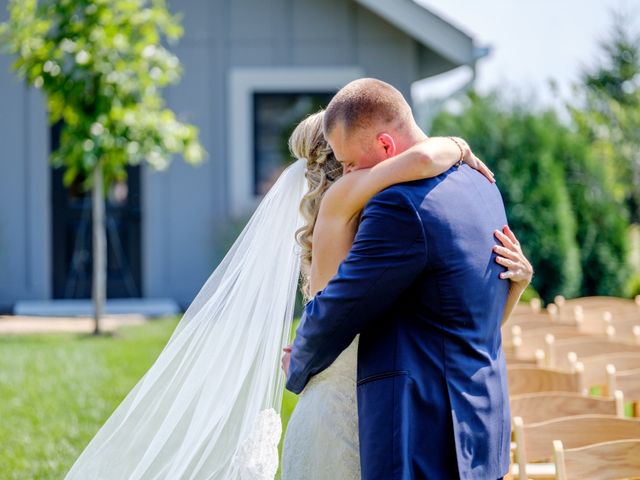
470, 159
286, 359
510, 256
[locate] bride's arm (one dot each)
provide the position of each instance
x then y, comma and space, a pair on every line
345, 199
519, 269
429, 158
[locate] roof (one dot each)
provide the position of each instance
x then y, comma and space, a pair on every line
428, 29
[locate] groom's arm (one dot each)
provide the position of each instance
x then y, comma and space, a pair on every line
388, 253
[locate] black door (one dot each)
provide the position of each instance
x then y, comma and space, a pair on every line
72, 236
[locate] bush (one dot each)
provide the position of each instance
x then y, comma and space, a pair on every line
601, 217
633, 286
529, 294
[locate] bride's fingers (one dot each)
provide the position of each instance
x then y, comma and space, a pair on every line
482, 168
506, 275
506, 241
477, 164
509, 233
505, 252
505, 262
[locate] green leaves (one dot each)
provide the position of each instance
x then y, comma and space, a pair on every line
606, 108
101, 65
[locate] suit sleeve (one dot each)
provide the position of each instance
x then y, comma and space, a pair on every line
387, 255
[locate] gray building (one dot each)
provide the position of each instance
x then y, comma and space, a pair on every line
252, 68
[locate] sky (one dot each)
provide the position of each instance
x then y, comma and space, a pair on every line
532, 41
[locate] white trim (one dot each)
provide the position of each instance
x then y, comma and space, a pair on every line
427, 28
243, 82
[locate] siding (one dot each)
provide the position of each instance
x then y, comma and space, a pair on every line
184, 208
24, 190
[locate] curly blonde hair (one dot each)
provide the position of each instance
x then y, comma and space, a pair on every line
307, 141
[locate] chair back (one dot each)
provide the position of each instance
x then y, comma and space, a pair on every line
607, 460
557, 352
529, 379
540, 407
534, 441
527, 341
595, 368
627, 381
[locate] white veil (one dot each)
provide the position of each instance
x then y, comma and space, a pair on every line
206, 409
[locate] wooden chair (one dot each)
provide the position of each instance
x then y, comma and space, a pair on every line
507, 329
615, 317
529, 379
557, 314
515, 327
597, 302
535, 306
614, 460
514, 361
588, 311
599, 321
628, 382
562, 353
540, 407
526, 342
595, 368
625, 331
534, 441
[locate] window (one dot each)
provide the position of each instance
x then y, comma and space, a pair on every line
275, 116
264, 106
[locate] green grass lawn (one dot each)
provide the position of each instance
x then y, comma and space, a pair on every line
57, 390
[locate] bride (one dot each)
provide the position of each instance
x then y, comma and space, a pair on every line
207, 408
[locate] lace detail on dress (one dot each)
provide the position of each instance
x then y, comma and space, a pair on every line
257, 456
321, 442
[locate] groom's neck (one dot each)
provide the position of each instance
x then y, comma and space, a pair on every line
415, 136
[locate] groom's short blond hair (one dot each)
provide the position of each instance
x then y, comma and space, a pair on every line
365, 102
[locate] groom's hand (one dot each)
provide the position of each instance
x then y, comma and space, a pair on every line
286, 359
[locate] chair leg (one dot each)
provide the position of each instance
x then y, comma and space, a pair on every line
520, 455
619, 397
558, 458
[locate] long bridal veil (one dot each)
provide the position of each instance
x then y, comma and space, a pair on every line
206, 409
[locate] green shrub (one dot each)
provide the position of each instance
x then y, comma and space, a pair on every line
529, 294
633, 286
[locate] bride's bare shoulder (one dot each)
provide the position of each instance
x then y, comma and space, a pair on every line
337, 199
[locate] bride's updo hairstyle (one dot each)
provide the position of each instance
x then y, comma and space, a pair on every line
307, 141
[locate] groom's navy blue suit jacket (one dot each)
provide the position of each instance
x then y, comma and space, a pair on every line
421, 287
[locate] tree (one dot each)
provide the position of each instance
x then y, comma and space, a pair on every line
101, 65
600, 213
521, 146
606, 108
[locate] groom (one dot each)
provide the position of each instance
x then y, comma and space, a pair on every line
421, 287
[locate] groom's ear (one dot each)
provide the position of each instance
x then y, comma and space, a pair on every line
387, 143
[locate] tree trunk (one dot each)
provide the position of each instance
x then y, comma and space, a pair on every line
99, 285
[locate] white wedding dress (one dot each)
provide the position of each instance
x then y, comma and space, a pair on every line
321, 442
